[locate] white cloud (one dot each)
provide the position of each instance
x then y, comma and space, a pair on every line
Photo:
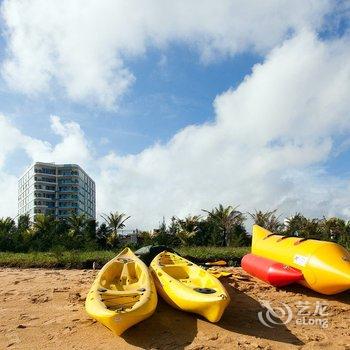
82, 45
266, 148
12, 139
73, 148
8, 190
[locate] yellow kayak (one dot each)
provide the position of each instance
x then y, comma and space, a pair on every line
325, 266
188, 287
122, 294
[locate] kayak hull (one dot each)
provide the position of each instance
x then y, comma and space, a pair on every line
188, 287
122, 294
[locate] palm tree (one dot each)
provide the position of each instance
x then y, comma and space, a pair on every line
77, 225
41, 232
7, 225
267, 220
226, 220
294, 225
115, 221
174, 227
188, 228
301, 226
42, 224
7, 233
335, 229
23, 223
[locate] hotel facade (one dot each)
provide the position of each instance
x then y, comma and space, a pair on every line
59, 190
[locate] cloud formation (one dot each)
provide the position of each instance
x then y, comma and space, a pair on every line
266, 148
271, 136
83, 46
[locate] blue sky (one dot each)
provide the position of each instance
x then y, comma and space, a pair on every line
172, 90
245, 107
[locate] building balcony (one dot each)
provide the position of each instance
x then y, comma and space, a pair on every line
66, 199
42, 173
67, 207
67, 191
67, 175
46, 181
45, 205
44, 190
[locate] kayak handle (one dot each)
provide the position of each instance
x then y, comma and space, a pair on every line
300, 241
271, 234
284, 237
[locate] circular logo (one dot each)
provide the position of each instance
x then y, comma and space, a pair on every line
273, 315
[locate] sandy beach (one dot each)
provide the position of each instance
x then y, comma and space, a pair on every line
44, 309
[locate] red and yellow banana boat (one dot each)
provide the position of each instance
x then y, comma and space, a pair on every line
281, 260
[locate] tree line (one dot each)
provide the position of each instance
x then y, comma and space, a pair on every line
221, 226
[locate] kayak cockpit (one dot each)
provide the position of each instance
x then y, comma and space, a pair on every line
121, 284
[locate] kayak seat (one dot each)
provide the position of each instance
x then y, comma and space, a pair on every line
120, 292
120, 302
124, 260
166, 265
175, 271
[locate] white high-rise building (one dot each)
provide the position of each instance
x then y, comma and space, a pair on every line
60, 190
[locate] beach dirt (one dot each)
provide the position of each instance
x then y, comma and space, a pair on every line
44, 309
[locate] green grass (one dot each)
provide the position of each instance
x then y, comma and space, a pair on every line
201, 254
84, 260
68, 259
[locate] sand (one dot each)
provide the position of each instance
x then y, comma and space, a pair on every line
44, 309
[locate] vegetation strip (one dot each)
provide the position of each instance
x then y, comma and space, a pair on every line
85, 260
78, 242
